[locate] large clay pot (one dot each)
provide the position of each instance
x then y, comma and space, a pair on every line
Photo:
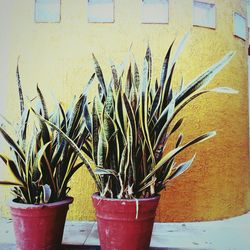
125, 224
39, 227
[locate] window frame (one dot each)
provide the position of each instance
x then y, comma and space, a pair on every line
234, 30
39, 21
95, 19
154, 22
214, 14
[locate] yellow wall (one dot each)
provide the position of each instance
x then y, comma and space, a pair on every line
58, 57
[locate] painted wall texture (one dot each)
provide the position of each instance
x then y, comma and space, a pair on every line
58, 57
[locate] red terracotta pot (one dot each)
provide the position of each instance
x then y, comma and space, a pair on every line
39, 227
118, 227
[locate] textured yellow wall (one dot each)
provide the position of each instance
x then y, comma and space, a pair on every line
58, 57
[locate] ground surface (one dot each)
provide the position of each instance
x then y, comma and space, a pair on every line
230, 234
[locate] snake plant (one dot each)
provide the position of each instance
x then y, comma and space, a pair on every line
131, 121
41, 161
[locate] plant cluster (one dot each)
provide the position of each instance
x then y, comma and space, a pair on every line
41, 161
120, 135
131, 121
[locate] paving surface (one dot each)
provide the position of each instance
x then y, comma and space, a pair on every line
229, 234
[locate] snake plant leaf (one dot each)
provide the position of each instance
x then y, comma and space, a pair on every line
56, 117
176, 126
166, 92
13, 168
165, 171
46, 193
115, 78
179, 140
86, 88
44, 107
87, 118
155, 104
10, 183
99, 75
156, 85
176, 151
132, 121
71, 108
148, 57
58, 153
143, 109
74, 118
182, 86
81, 154
203, 79
24, 123
176, 111
37, 171
102, 149
67, 178
13, 144
99, 107
127, 171
113, 159
180, 107
82, 139
20, 91
49, 175
133, 97
109, 103
161, 136
31, 150
108, 126
225, 90
136, 76
95, 130
161, 121
148, 184
194, 96
102, 171
64, 122
164, 69
129, 82
119, 114
181, 168
124, 160
179, 49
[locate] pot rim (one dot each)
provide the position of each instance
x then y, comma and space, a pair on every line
66, 201
97, 196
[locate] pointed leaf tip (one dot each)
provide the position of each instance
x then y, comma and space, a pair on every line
225, 90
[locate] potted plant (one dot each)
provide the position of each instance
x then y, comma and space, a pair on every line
130, 127
42, 164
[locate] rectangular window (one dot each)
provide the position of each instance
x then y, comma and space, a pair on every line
204, 14
100, 11
48, 11
154, 11
240, 28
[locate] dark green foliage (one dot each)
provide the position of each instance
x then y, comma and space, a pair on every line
43, 162
131, 124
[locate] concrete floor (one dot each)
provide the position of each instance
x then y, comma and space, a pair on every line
229, 234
